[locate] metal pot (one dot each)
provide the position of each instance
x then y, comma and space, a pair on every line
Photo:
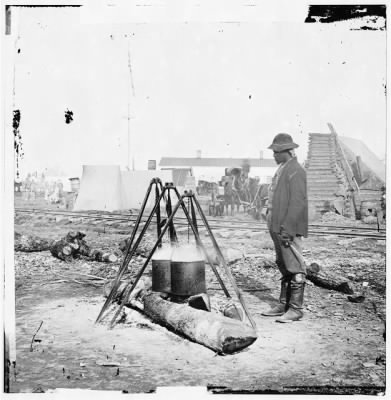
187, 271
161, 270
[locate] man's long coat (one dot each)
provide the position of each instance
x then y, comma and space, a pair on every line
290, 203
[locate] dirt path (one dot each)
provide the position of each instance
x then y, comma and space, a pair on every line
338, 346
335, 345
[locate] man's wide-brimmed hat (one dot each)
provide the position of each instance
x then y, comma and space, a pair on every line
282, 142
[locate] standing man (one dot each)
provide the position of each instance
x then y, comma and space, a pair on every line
287, 219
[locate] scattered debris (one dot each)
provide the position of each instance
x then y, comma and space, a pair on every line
30, 243
381, 360
108, 363
356, 299
35, 334
368, 365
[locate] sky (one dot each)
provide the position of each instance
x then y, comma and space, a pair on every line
223, 88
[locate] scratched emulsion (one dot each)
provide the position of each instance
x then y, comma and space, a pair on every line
18, 147
337, 13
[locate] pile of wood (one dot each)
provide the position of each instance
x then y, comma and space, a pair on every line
71, 246
74, 246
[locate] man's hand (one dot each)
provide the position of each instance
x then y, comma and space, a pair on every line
286, 238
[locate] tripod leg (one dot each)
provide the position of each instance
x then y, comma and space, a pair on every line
172, 233
158, 219
159, 182
199, 242
127, 260
227, 270
126, 298
193, 214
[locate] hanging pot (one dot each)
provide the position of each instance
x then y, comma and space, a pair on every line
187, 271
161, 270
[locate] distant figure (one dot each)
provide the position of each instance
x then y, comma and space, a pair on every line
228, 197
237, 187
258, 197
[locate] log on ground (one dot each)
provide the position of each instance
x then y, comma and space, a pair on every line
329, 280
99, 255
221, 334
68, 247
63, 250
73, 245
31, 243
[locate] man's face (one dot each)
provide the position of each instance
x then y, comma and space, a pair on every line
281, 156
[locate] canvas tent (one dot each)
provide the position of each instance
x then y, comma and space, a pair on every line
107, 188
135, 185
100, 189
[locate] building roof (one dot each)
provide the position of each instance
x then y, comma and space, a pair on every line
215, 162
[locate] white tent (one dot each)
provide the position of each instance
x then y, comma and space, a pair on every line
101, 189
106, 188
135, 185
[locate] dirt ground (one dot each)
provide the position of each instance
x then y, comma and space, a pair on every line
338, 347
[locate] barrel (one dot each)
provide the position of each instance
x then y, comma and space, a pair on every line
75, 184
187, 271
161, 270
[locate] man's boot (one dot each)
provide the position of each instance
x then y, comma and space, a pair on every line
294, 312
281, 307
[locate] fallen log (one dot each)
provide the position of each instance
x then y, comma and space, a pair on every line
328, 280
221, 334
68, 247
96, 255
30, 243
63, 250
215, 331
99, 255
73, 245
